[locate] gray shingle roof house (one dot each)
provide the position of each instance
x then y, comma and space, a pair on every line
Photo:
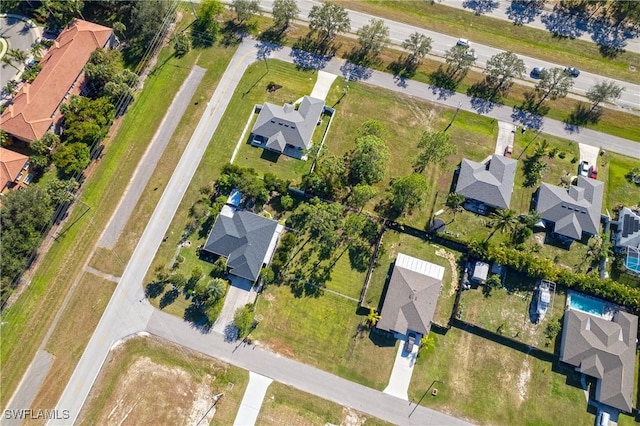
628, 234
490, 184
246, 239
280, 126
411, 297
572, 211
605, 350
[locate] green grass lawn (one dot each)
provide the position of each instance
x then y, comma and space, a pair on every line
284, 405
489, 383
323, 332
619, 189
395, 242
505, 35
508, 307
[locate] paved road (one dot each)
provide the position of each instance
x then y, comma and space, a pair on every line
20, 35
455, 100
298, 375
398, 32
128, 313
504, 11
150, 159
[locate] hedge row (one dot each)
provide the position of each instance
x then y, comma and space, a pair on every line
538, 267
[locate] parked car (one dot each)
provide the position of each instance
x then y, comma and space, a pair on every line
508, 151
572, 71
408, 344
593, 172
537, 72
603, 418
583, 169
463, 42
471, 54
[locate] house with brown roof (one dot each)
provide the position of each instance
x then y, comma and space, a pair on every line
35, 108
14, 170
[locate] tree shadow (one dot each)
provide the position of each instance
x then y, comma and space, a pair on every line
480, 7
580, 116
359, 257
442, 83
524, 11
483, 97
563, 24
154, 289
307, 53
356, 72
196, 315
168, 298
527, 119
611, 40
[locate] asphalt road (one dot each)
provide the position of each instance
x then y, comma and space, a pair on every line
503, 11
150, 159
128, 312
398, 32
298, 375
20, 35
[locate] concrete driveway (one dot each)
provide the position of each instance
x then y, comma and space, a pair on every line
589, 153
323, 84
505, 136
402, 370
239, 293
252, 400
20, 34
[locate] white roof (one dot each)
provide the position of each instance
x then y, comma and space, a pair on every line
272, 244
420, 266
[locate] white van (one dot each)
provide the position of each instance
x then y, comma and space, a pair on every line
603, 418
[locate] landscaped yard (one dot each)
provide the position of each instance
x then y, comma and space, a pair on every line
395, 242
323, 332
489, 383
619, 189
150, 381
284, 405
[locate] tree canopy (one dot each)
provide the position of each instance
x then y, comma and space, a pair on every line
502, 68
604, 91
418, 46
245, 9
328, 20
554, 83
71, 159
407, 193
435, 148
459, 59
368, 162
284, 11
205, 28
86, 120
373, 37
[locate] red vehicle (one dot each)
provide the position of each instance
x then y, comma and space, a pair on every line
508, 151
593, 172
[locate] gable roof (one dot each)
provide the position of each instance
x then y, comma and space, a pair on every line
605, 350
411, 298
11, 164
628, 228
31, 113
244, 239
575, 210
281, 125
490, 185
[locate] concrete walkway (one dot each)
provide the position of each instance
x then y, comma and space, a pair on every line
252, 400
323, 84
402, 371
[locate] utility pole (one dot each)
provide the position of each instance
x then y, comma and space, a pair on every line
454, 117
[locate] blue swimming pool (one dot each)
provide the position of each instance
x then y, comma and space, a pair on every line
633, 264
586, 304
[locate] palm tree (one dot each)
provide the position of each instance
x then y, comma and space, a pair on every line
373, 317
454, 202
216, 288
504, 220
17, 54
531, 219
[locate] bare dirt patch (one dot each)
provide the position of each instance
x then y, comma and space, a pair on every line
523, 381
150, 393
351, 418
454, 269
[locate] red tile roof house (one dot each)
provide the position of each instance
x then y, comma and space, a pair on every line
14, 169
35, 108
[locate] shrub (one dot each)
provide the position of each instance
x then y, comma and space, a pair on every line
243, 320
